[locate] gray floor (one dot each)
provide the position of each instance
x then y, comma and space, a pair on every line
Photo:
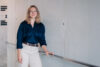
3, 47
51, 61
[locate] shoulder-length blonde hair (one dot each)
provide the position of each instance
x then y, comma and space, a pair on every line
37, 19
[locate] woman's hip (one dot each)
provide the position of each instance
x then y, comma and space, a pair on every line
29, 49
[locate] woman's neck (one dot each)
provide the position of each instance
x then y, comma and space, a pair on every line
32, 21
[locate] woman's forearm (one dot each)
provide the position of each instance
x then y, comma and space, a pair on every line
46, 51
19, 55
18, 52
44, 48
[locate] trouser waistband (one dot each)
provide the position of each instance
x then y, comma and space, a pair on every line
30, 44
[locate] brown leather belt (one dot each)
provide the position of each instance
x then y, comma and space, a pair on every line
35, 45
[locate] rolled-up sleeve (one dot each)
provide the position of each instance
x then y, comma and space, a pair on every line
19, 37
41, 39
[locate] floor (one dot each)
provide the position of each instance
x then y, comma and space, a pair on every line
51, 61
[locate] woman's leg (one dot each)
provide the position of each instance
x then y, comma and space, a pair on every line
25, 56
25, 59
34, 60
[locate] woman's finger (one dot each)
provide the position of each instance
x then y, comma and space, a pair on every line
20, 60
51, 53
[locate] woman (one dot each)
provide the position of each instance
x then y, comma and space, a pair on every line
31, 32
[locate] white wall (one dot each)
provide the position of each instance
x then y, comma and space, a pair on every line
11, 34
77, 29
82, 30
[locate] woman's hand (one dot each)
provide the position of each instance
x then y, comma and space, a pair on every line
46, 51
49, 53
19, 58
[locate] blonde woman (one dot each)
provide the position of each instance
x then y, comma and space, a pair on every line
31, 32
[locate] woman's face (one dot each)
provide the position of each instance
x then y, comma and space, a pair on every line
33, 12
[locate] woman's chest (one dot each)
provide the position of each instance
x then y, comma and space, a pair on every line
29, 30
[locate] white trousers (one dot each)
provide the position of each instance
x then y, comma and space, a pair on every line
30, 56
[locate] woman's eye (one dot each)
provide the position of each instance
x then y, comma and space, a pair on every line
33, 11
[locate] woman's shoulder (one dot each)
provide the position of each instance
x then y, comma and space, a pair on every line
23, 23
41, 27
41, 24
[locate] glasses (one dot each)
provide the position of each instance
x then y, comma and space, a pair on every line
33, 11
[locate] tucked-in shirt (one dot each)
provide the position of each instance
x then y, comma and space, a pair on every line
29, 34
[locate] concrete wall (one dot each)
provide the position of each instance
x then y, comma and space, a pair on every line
72, 26
82, 30
3, 46
3, 36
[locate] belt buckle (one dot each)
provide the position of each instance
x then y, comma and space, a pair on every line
35, 45
29, 44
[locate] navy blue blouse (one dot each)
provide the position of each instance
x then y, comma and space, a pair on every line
27, 33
